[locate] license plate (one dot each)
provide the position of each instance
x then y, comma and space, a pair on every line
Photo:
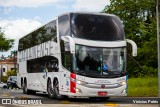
102, 93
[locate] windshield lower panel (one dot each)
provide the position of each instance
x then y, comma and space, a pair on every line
99, 62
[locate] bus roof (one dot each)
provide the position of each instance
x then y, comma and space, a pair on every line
92, 13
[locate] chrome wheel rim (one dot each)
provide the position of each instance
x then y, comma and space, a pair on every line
50, 90
56, 88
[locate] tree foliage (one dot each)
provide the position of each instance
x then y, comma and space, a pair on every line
139, 20
11, 73
5, 44
4, 79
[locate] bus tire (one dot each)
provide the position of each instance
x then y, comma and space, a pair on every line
31, 92
25, 90
56, 90
49, 89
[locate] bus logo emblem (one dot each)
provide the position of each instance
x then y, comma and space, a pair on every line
102, 86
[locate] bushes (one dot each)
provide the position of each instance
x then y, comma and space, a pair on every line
4, 79
9, 73
142, 72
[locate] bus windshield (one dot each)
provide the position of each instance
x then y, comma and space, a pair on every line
97, 62
97, 27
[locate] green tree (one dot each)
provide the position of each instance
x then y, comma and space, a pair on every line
11, 73
4, 79
14, 55
5, 44
139, 20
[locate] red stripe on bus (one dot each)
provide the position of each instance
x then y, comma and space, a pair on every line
72, 75
72, 83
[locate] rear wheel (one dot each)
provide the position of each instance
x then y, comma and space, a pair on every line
56, 90
32, 92
26, 90
50, 89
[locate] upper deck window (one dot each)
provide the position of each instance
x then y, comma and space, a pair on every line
64, 25
97, 27
43, 34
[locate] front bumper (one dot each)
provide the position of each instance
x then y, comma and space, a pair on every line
93, 92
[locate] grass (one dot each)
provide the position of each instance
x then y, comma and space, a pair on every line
143, 87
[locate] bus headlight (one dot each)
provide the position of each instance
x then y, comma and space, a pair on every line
80, 82
123, 83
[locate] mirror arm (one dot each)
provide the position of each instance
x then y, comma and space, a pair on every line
71, 42
134, 47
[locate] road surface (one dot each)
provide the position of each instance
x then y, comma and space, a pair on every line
74, 102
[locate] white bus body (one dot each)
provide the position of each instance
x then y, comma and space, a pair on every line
66, 58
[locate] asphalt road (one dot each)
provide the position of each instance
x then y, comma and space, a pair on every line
113, 101
17, 93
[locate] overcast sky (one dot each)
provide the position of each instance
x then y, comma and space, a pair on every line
19, 17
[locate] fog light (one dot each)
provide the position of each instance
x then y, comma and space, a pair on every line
123, 91
78, 90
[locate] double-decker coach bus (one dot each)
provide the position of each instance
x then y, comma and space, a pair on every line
76, 55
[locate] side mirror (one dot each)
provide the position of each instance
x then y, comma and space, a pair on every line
71, 43
134, 47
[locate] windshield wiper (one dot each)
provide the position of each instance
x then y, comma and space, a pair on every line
81, 72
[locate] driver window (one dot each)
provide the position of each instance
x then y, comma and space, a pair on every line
66, 56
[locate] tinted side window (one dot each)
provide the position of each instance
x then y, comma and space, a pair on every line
43, 64
41, 35
45, 33
64, 25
